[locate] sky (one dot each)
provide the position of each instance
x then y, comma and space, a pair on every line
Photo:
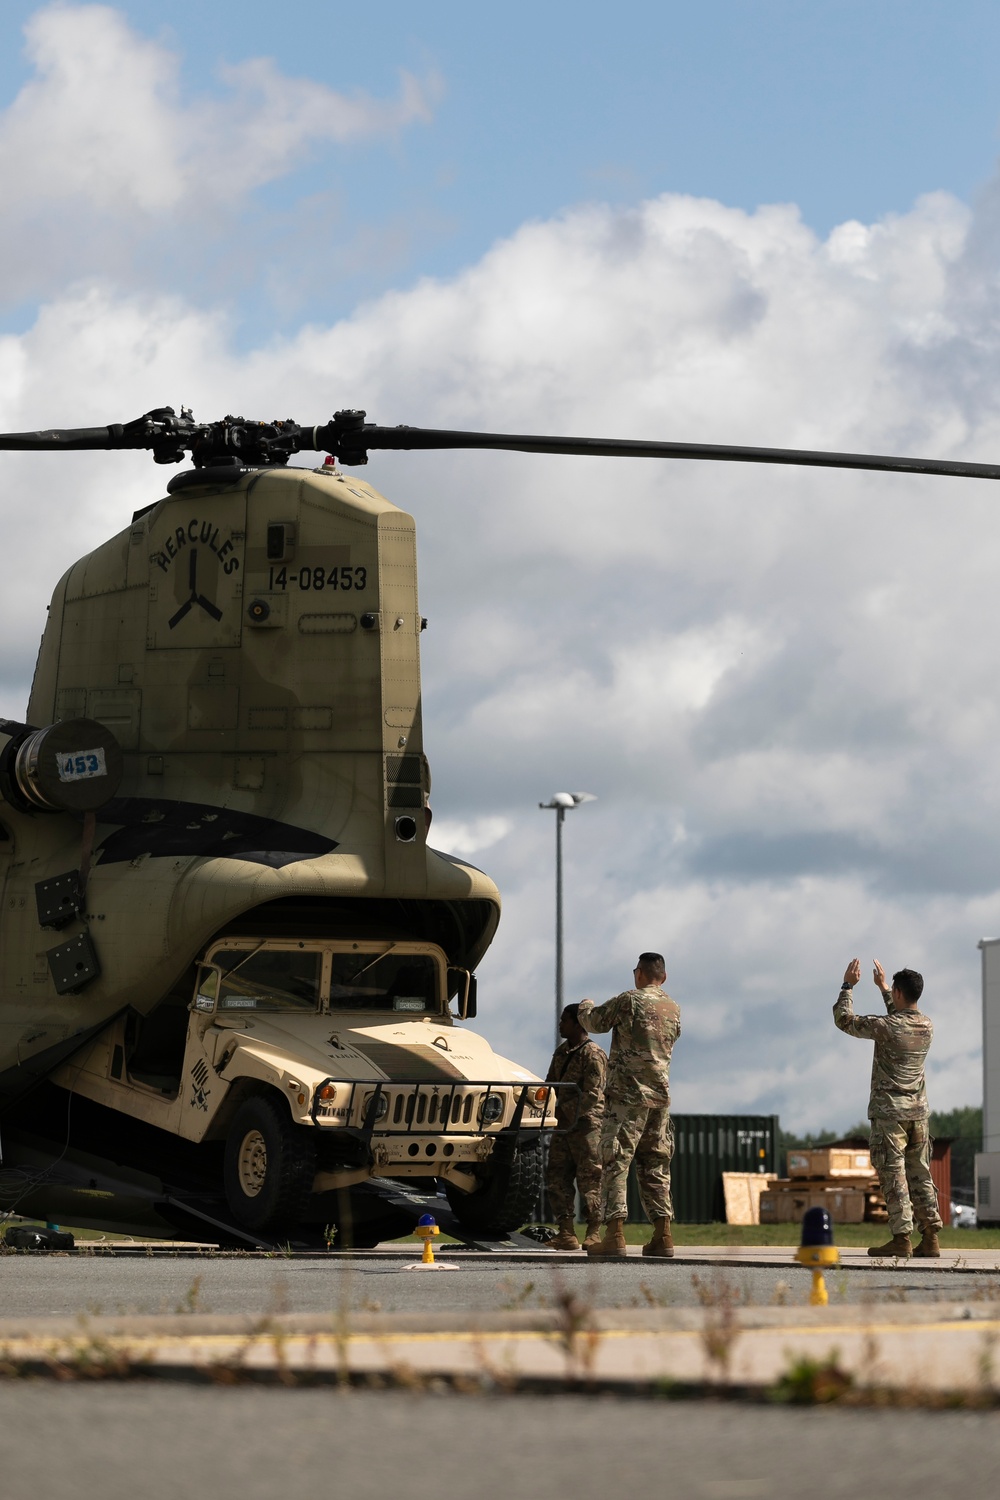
751, 221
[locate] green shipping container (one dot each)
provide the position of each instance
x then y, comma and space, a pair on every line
705, 1146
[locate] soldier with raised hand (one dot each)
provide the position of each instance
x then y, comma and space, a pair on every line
645, 1023
898, 1110
576, 1155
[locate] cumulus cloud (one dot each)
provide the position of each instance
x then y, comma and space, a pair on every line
779, 683
469, 838
102, 151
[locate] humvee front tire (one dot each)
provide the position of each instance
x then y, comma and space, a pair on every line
502, 1202
270, 1165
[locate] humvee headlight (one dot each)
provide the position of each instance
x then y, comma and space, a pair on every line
492, 1109
381, 1106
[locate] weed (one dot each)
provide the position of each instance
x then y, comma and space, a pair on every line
812, 1382
279, 1300
841, 1281
516, 1297
870, 1360
650, 1298
191, 1300
575, 1330
721, 1327
717, 1292
987, 1291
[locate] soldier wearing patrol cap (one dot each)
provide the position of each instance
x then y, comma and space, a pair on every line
898, 1109
645, 1023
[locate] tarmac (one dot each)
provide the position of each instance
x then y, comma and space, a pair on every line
944, 1347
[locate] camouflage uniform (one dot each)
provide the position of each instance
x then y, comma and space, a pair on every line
646, 1023
900, 1134
577, 1154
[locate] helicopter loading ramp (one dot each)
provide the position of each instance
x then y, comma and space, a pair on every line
84, 1191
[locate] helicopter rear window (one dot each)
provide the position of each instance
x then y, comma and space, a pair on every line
269, 979
391, 981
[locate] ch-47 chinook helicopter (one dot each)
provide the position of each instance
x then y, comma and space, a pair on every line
228, 953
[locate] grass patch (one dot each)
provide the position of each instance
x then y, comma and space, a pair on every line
736, 1235
788, 1234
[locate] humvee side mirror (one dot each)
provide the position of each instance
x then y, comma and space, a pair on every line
467, 988
207, 989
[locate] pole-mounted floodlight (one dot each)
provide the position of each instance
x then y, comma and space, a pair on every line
562, 802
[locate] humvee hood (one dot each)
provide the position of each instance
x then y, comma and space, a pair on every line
342, 1046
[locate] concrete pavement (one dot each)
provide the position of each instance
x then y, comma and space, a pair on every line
715, 1316
114, 1441
889, 1347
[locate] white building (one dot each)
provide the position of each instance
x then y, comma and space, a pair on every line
988, 1160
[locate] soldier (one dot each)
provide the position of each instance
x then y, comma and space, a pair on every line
900, 1134
577, 1154
646, 1023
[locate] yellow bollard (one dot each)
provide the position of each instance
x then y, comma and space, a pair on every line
426, 1228
817, 1250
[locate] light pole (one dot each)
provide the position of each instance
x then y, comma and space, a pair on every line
562, 802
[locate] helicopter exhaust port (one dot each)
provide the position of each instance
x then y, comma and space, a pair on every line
73, 766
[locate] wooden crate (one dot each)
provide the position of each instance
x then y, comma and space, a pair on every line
864, 1182
830, 1161
844, 1205
741, 1193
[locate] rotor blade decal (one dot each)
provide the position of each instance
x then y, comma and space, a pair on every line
208, 606
178, 617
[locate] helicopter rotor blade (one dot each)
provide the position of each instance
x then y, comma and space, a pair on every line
65, 439
166, 434
235, 442
348, 441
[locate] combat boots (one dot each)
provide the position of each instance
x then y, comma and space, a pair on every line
613, 1243
566, 1238
593, 1235
928, 1247
662, 1242
898, 1248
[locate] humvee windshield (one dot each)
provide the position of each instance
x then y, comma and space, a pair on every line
391, 981
270, 979
284, 979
